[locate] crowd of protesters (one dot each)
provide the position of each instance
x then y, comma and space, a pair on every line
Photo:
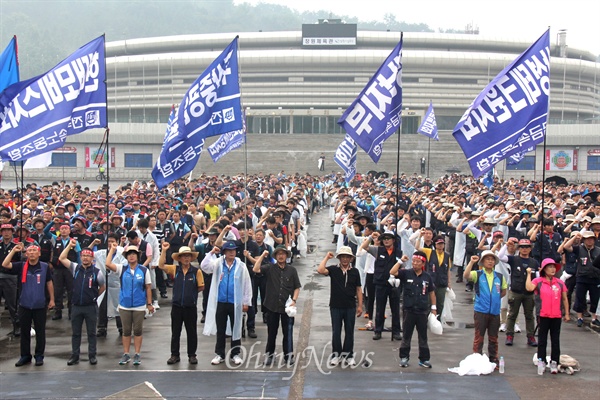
234, 239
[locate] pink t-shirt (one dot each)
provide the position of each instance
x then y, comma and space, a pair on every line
551, 296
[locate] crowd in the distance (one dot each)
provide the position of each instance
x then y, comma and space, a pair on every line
93, 257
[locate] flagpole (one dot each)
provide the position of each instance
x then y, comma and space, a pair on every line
428, 155
398, 169
107, 132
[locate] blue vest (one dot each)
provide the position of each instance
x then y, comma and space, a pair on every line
485, 301
85, 286
133, 287
185, 287
33, 291
227, 283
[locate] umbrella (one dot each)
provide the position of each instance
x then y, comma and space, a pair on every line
593, 196
558, 180
382, 174
371, 172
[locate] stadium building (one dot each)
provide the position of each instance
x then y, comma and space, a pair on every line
295, 86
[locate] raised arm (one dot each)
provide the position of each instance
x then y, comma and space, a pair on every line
322, 268
259, 260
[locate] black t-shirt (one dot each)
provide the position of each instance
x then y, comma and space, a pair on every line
281, 284
416, 290
343, 287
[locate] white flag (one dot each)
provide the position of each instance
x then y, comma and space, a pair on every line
40, 161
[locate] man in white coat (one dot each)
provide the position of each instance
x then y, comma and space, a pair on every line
230, 297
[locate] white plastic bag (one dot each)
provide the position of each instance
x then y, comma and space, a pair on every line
290, 310
447, 311
475, 364
302, 245
450, 294
434, 325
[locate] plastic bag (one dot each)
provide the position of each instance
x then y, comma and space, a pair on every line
302, 245
475, 364
450, 294
434, 325
447, 311
290, 310
565, 276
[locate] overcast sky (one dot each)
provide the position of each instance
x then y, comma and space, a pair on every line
522, 19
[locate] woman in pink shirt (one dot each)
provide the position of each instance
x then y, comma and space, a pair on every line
551, 292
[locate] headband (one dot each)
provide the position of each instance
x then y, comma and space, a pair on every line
424, 259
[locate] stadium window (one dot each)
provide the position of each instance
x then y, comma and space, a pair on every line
138, 160
593, 163
60, 160
526, 164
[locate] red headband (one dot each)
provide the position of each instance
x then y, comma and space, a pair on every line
424, 259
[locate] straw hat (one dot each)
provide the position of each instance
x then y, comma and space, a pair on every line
184, 250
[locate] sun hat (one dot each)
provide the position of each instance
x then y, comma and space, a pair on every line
184, 250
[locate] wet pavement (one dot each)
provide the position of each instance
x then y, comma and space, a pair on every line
377, 376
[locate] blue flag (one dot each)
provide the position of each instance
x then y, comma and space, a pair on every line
516, 158
345, 157
227, 142
488, 179
377, 112
429, 125
510, 114
9, 65
211, 106
38, 114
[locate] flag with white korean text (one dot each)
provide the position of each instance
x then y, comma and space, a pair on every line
377, 111
511, 113
38, 114
429, 125
227, 142
345, 157
211, 106
518, 157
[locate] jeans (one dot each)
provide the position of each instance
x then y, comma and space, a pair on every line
491, 323
347, 317
38, 317
382, 293
551, 325
89, 315
287, 328
515, 300
412, 320
259, 285
225, 311
580, 291
370, 295
187, 316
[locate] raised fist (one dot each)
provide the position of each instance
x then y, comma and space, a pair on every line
329, 255
165, 245
474, 259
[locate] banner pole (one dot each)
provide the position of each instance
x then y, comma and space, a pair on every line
428, 155
398, 169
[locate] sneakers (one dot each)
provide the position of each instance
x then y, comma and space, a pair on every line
73, 360
553, 368
173, 360
237, 360
93, 360
502, 328
377, 336
531, 341
155, 305
193, 360
509, 340
517, 328
39, 361
579, 322
137, 359
217, 360
404, 362
268, 361
334, 361
252, 334
425, 364
124, 359
351, 362
595, 323
22, 361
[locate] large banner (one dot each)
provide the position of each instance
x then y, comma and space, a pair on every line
561, 160
345, 157
377, 111
38, 114
510, 114
212, 106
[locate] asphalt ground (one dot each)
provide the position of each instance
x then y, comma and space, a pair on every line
379, 377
